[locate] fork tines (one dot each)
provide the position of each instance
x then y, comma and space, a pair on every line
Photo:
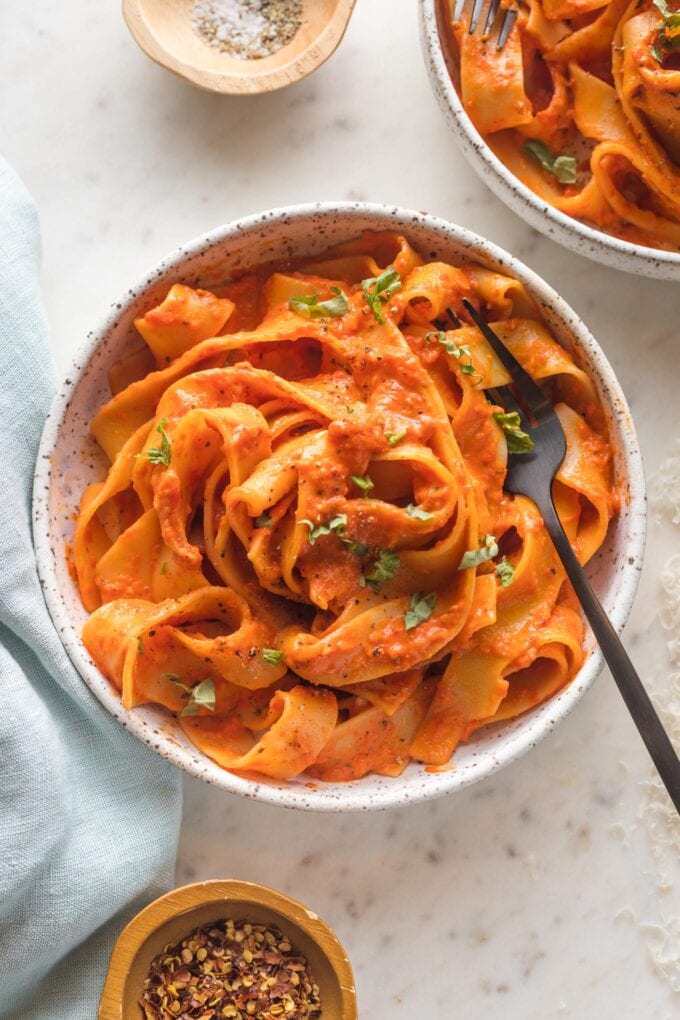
537, 401
509, 18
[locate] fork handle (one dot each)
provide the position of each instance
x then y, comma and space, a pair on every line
630, 686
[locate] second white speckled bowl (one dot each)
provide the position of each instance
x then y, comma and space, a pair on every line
577, 236
69, 459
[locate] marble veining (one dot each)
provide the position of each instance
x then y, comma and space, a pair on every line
519, 898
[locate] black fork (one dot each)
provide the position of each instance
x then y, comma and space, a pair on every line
531, 474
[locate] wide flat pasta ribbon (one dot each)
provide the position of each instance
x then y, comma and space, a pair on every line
300, 723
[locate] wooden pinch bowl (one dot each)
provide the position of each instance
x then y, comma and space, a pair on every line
164, 30
174, 916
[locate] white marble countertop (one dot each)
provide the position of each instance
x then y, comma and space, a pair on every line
529, 896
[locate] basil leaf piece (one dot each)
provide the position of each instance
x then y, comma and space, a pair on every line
365, 483
360, 548
418, 513
457, 352
335, 526
309, 306
671, 18
264, 521
161, 454
272, 656
421, 609
378, 289
384, 568
202, 696
562, 167
394, 437
540, 151
668, 37
511, 423
474, 557
505, 572
175, 678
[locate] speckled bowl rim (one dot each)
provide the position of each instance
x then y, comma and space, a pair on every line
577, 236
507, 745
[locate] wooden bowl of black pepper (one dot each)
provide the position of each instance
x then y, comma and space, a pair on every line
228, 949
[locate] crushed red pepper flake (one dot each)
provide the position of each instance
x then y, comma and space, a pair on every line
233, 970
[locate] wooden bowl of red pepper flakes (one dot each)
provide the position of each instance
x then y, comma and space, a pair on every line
270, 937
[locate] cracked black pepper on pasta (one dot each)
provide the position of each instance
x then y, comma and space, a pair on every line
230, 969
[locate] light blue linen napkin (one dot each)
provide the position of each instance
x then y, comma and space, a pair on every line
89, 816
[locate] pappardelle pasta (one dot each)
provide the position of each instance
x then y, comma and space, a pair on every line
302, 547
583, 106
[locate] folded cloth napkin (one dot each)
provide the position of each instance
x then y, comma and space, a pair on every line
89, 816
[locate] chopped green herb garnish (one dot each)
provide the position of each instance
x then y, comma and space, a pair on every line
140, 646
164, 567
378, 289
663, 9
264, 521
418, 513
201, 696
511, 423
160, 454
562, 167
365, 483
668, 29
272, 656
310, 307
458, 352
421, 609
335, 526
395, 437
384, 568
505, 572
175, 678
473, 557
360, 548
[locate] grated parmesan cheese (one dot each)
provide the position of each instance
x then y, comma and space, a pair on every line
657, 815
665, 489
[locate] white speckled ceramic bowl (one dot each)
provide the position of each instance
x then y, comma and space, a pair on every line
69, 459
577, 236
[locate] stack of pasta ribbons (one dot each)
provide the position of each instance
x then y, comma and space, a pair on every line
302, 546
583, 106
